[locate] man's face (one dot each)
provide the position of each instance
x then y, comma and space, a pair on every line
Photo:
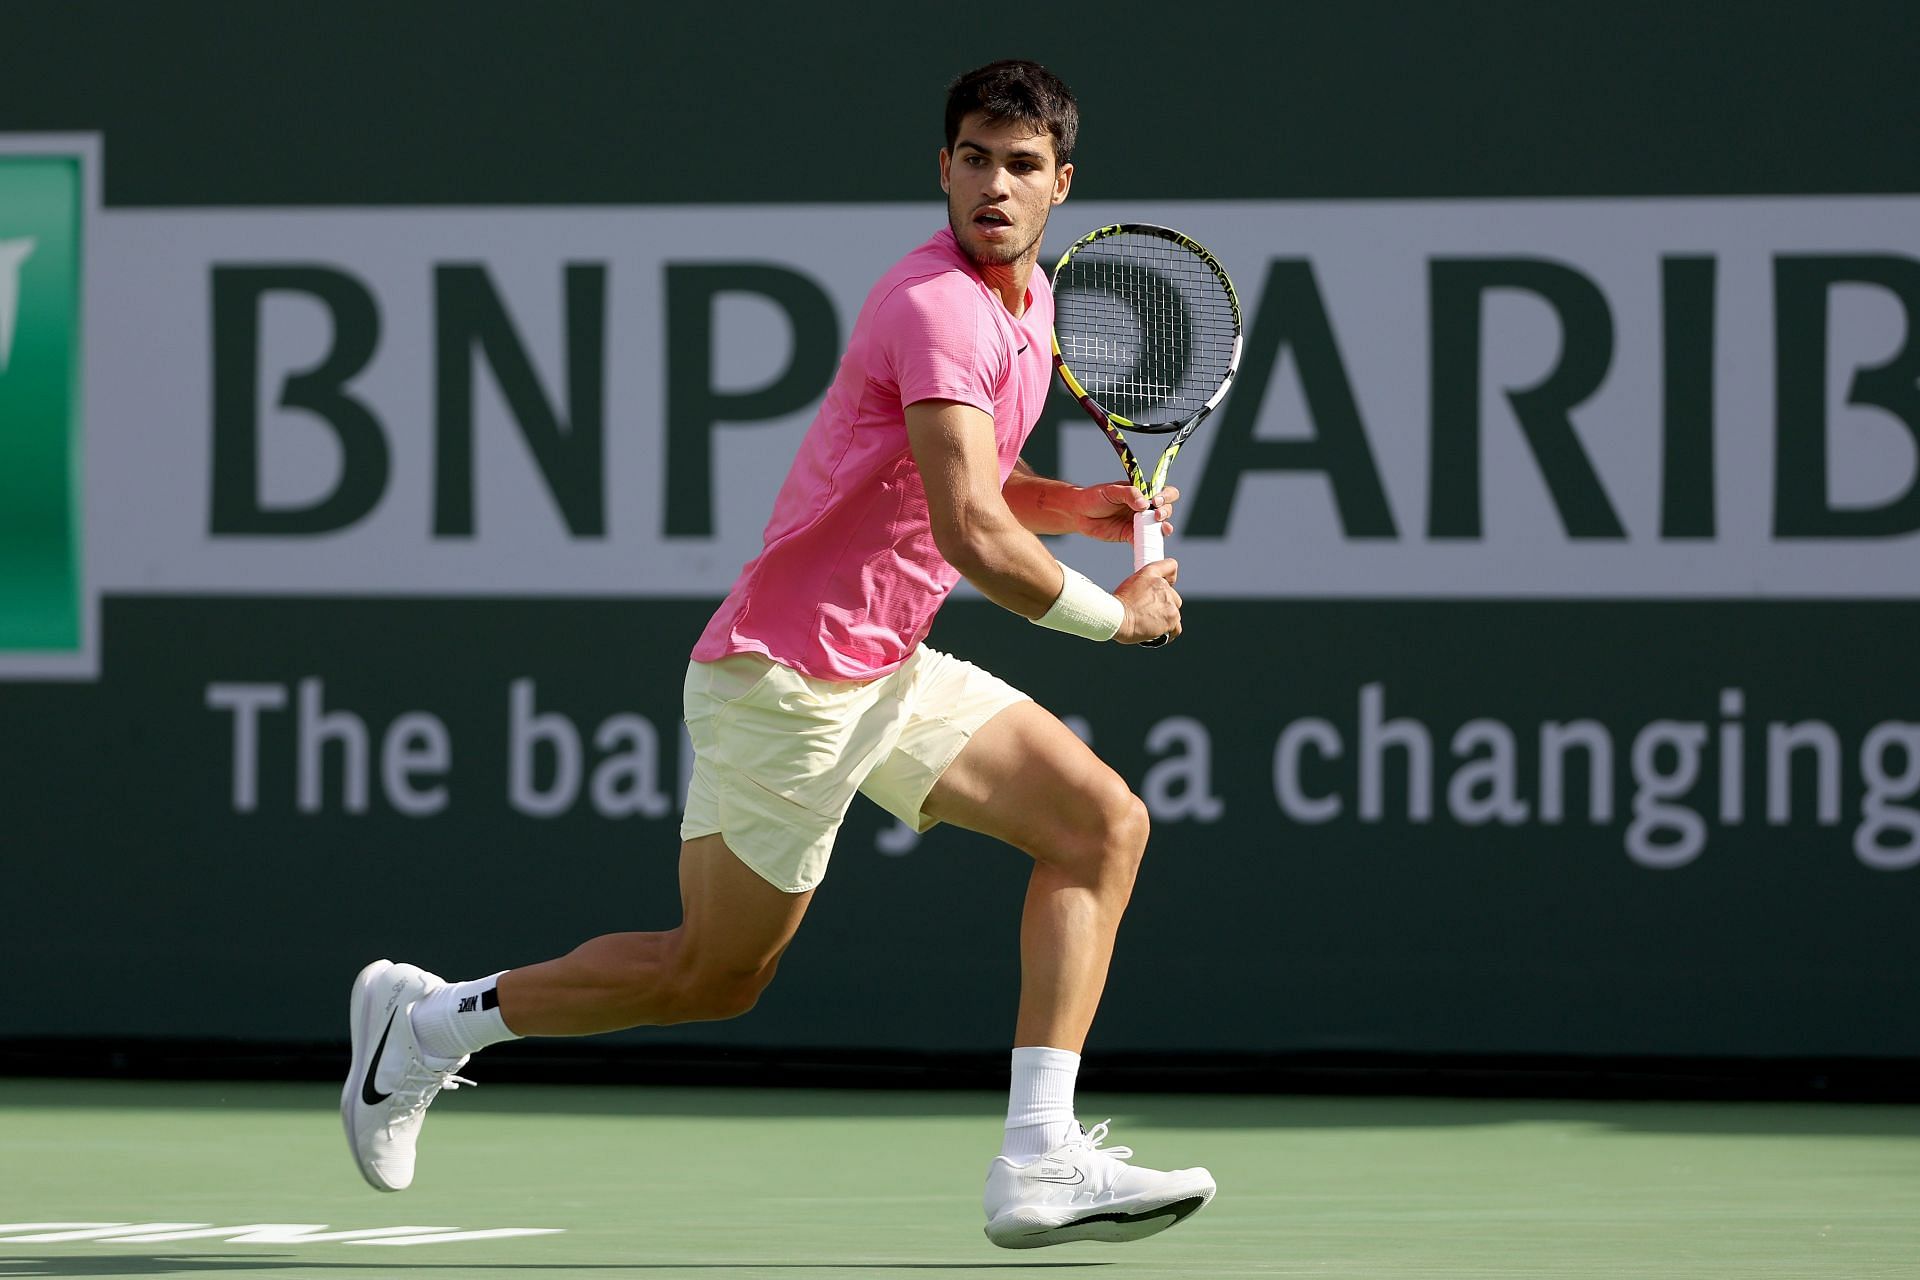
1001, 182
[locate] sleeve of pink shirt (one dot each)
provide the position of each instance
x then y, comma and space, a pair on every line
936, 342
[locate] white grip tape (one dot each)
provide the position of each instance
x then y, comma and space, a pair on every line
1083, 609
1147, 543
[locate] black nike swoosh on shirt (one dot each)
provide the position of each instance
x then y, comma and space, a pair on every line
368, 1094
1023, 348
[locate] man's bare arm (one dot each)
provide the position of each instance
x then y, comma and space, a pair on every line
979, 534
1103, 511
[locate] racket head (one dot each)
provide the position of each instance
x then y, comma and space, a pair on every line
1146, 329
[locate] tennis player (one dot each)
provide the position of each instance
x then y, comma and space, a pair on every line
813, 682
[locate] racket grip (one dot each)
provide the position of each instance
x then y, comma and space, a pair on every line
1148, 544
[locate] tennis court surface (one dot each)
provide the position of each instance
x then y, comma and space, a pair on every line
667, 1182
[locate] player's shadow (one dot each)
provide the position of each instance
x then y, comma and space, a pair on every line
104, 1265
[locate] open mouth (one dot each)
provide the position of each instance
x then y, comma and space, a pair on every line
991, 220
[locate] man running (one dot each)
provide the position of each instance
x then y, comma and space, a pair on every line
812, 682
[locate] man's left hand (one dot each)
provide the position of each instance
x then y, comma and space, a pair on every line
1105, 511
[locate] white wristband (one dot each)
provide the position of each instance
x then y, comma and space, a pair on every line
1083, 609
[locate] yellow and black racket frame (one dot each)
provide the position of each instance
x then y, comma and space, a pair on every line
1112, 423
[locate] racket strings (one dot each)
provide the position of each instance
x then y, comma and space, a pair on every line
1146, 325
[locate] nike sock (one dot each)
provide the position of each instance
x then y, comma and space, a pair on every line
460, 1018
1040, 1103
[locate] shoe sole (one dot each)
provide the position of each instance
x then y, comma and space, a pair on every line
358, 1025
1036, 1229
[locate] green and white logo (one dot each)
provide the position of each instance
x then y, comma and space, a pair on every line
40, 345
12, 254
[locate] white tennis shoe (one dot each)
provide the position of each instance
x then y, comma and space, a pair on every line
387, 1091
1083, 1191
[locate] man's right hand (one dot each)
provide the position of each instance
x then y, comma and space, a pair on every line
1153, 606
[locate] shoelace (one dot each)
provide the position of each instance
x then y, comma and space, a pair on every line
419, 1087
1092, 1138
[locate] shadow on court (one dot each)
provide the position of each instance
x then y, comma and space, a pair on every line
515, 1097
1161, 1111
120, 1265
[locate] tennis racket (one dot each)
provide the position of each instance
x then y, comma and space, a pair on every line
1146, 335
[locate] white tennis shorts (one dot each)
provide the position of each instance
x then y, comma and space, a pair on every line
778, 755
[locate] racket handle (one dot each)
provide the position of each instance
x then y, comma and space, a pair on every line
1148, 545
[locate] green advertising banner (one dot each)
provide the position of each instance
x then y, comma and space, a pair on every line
1601, 828
40, 344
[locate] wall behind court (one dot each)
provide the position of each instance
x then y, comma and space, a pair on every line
1552, 576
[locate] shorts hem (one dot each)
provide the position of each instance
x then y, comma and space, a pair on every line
963, 732
750, 861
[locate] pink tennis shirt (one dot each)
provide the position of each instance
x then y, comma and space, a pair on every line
848, 580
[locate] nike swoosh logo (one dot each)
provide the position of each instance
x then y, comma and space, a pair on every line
1023, 348
1079, 1176
368, 1094
1177, 1210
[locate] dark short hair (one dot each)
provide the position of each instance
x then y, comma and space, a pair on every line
1016, 90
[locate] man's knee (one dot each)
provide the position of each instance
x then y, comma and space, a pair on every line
1129, 828
1110, 833
726, 996
709, 992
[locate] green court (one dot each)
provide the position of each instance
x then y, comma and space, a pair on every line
665, 1182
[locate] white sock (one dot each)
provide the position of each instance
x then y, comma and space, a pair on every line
1040, 1103
460, 1018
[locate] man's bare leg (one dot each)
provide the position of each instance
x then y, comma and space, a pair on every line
733, 928
1025, 779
